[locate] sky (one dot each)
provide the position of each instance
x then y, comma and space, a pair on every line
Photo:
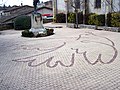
18, 2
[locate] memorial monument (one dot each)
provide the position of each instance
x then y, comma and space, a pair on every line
37, 21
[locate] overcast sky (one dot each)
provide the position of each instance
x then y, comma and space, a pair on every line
18, 2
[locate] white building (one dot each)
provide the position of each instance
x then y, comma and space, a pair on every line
1, 13
93, 6
104, 6
46, 12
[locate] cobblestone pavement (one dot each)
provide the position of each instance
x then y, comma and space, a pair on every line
71, 59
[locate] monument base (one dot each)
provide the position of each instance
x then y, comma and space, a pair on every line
37, 31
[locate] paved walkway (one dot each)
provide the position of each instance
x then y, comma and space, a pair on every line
71, 59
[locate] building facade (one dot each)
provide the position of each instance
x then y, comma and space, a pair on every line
104, 6
45, 4
46, 12
91, 6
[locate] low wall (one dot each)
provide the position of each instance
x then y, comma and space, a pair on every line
113, 29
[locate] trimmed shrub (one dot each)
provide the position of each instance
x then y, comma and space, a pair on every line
95, 19
101, 19
50, 32
86, 17
22, 23
109, 19
71, 17
60, 18
80, 18
115, 19
6, 26
54, 19
26, 33
92, 19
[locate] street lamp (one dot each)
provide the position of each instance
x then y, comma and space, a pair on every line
106, 10
66, 2
119, 6
54, 8
76, 12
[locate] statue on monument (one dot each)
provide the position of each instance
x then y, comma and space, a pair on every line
37, 28
37, 21
35, 2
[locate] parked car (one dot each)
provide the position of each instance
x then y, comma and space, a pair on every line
47, 16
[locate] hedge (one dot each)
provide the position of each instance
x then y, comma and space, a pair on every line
60, 18
27, 33
6, 26
109, 19
95, 19
80, 18
115, 19
22, 23
72, 18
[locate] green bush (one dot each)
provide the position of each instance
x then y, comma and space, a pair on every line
54, 19
80, 18
71, 17
92, 19
22, 23
26, 33
50, 32
101, 19
60, 18
109, 19
115, 19
95, 19
6, 26
86, 18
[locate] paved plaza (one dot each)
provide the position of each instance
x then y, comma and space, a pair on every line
71, 59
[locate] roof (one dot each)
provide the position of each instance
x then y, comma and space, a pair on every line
18, 11
2, 8
12, 8
16, 7
44, 8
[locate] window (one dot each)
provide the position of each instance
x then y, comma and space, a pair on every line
97, 3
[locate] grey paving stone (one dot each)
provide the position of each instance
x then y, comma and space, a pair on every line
71, 59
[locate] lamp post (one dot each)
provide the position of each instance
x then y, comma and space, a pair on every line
76, 13
119, 5
66, 2
106, 8
54, 8
84, 12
